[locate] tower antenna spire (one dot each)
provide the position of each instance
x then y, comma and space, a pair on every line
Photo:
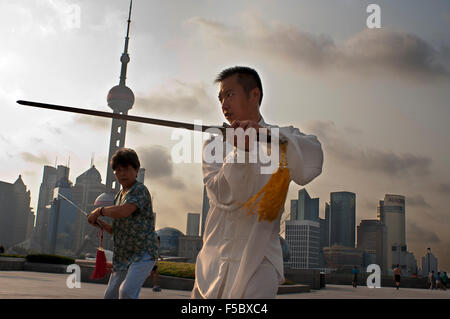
125, 58
92, 159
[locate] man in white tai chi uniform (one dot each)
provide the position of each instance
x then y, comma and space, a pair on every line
241, 256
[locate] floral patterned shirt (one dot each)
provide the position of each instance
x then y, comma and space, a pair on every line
134, 235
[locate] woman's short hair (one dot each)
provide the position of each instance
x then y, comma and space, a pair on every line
124, 157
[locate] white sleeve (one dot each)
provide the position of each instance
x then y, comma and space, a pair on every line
224, 181
304, 155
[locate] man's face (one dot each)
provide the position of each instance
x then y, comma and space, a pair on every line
235, 103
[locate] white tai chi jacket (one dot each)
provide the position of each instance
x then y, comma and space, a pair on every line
234, 243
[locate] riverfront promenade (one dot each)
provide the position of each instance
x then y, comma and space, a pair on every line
27, 284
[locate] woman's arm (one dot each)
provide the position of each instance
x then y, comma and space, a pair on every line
107, 227
121, 211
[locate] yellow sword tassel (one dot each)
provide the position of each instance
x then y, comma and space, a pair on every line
273, 193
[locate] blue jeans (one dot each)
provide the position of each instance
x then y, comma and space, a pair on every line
127, 284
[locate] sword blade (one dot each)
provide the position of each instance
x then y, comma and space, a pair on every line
119, 116
140, 119
76, 206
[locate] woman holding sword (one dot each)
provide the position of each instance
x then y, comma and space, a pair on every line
133, 229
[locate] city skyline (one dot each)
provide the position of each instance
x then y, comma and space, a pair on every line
383, 239
301, 194
382, 124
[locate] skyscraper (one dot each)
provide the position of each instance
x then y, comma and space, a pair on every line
15, 212
193, 224
305, 207
302, 232
391, 212
325, 230
372, 239
429, 263
303, 239
51, 178
40, 234
63, 218
324, 234
342, 219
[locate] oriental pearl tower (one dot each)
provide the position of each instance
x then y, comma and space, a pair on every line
120, 99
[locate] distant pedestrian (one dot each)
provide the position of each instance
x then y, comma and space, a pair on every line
355, 273
438, 278
397, 276
444, 280
431, 279
2, 249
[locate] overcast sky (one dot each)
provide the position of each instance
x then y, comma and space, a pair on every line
377, 99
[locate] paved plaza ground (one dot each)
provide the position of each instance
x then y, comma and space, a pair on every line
26, 285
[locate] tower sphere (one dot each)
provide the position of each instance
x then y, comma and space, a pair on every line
120, 98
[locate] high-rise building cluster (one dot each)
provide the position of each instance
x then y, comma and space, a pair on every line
337, 243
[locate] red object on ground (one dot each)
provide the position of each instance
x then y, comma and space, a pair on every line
100, 261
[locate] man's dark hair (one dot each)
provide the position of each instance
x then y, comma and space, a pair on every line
124, 157
248, 78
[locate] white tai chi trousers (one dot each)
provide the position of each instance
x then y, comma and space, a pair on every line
262, 285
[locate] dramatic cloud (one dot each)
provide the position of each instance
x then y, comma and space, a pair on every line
417, 201
42, 17
435, 216
4, 140
443, 188
49, 126
371, 50
186, 98
380, 161
392, 51
157, 161
104, 124
95, 122
192, 198
31, 158
172, 183
159, 167
30, 173
369, 204
446, 17
418, 234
